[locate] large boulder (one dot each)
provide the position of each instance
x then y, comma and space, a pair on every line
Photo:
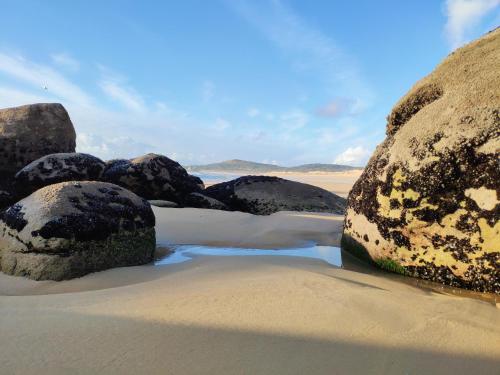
32, 131
154, 177
263, 195
69, 229
427, 204
55, 168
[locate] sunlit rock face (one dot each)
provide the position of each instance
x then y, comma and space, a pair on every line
427, 204
32, 131
27, 133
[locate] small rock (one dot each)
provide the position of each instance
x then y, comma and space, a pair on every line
164, 204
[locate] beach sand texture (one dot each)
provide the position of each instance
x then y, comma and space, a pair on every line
242, 315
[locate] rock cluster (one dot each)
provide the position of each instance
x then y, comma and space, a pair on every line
427, 204
77, 214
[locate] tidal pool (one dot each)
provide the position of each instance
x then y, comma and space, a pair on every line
183, 253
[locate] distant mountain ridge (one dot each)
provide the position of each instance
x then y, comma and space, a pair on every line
236, 165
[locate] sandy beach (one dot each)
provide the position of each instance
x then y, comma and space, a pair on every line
244, 315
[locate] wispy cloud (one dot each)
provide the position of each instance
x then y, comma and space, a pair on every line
141, 125
66, 61
40, 77
124, 95
465, 15
308, 48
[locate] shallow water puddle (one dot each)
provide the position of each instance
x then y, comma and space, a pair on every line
183, 253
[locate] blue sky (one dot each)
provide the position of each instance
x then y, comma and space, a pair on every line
278, 81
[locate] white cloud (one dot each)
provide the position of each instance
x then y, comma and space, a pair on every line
66, 61
464, 16
40, 76
353, 156
110, 147
126, 96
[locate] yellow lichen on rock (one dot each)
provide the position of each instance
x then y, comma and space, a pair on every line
485, 198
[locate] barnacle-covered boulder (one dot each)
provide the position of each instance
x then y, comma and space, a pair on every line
427, 204
55, 168
153, 177
70, 229
264, 195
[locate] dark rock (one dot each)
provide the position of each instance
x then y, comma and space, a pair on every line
154, 177
428, 200
70, 229
263, 195
55, 168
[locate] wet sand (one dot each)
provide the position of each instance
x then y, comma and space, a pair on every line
255, 315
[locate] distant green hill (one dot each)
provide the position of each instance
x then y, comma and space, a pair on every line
236, 165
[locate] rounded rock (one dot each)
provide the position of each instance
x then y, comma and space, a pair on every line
264, 195
70, 229
153, 177
55, 168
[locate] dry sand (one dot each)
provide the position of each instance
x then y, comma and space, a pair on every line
243, 315
339, 183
